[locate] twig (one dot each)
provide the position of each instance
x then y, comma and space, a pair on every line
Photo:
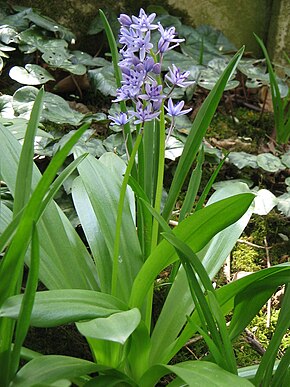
195, 339
77, 86
255, 344
252, 244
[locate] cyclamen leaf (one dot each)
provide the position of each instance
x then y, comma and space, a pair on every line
269, 162
55, 108
243, 159
30, 75
284, 203
286, 159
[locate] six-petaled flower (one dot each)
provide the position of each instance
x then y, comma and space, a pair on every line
176, 110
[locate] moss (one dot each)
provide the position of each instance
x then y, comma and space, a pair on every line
246, 123
244, 353
264, 334
245, 258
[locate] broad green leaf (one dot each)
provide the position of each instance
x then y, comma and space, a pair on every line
61, 59
57, 307
88, 143
173, 315
196, 231
50, 25
87, 60
30, 75
284, 203
55, 108
243, 159
102, 181
194, 374
32, 39
18, 127
286, 159
93, 234
197, 132
57, 236
117, 328
6, 109
274, 276
269, 162
8, 34
46, 370
209, 77
103, 79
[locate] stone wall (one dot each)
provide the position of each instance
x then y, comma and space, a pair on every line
237, 19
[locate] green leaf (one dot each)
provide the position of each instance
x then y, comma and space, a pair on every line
18, 127
194, 374
57, 236
269, 162
209, 77
57, 307
243, 159
55, 108
285, 158
284, 203
87, 60
50, 25
97, 176
210, 220
25, 167
103, 79
197, 132
23, 320
46, 370
265, 370
61, 59
117, 328
30, 75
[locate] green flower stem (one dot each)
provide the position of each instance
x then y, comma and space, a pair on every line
120, 213
160, 175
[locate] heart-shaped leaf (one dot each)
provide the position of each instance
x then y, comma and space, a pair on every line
243, 159
30, 75
269, 162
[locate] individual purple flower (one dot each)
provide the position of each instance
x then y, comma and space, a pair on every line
124, 93
119, 119
144, 114
149, 65
167, 37
125, 20
127, 36
178, 78
143, 23
176, 110
153, 94
143, 45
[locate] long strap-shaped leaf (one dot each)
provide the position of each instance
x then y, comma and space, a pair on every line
197, 133
56, 234
196, 231
25, 168
13, 260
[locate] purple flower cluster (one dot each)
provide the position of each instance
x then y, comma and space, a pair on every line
141, 69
